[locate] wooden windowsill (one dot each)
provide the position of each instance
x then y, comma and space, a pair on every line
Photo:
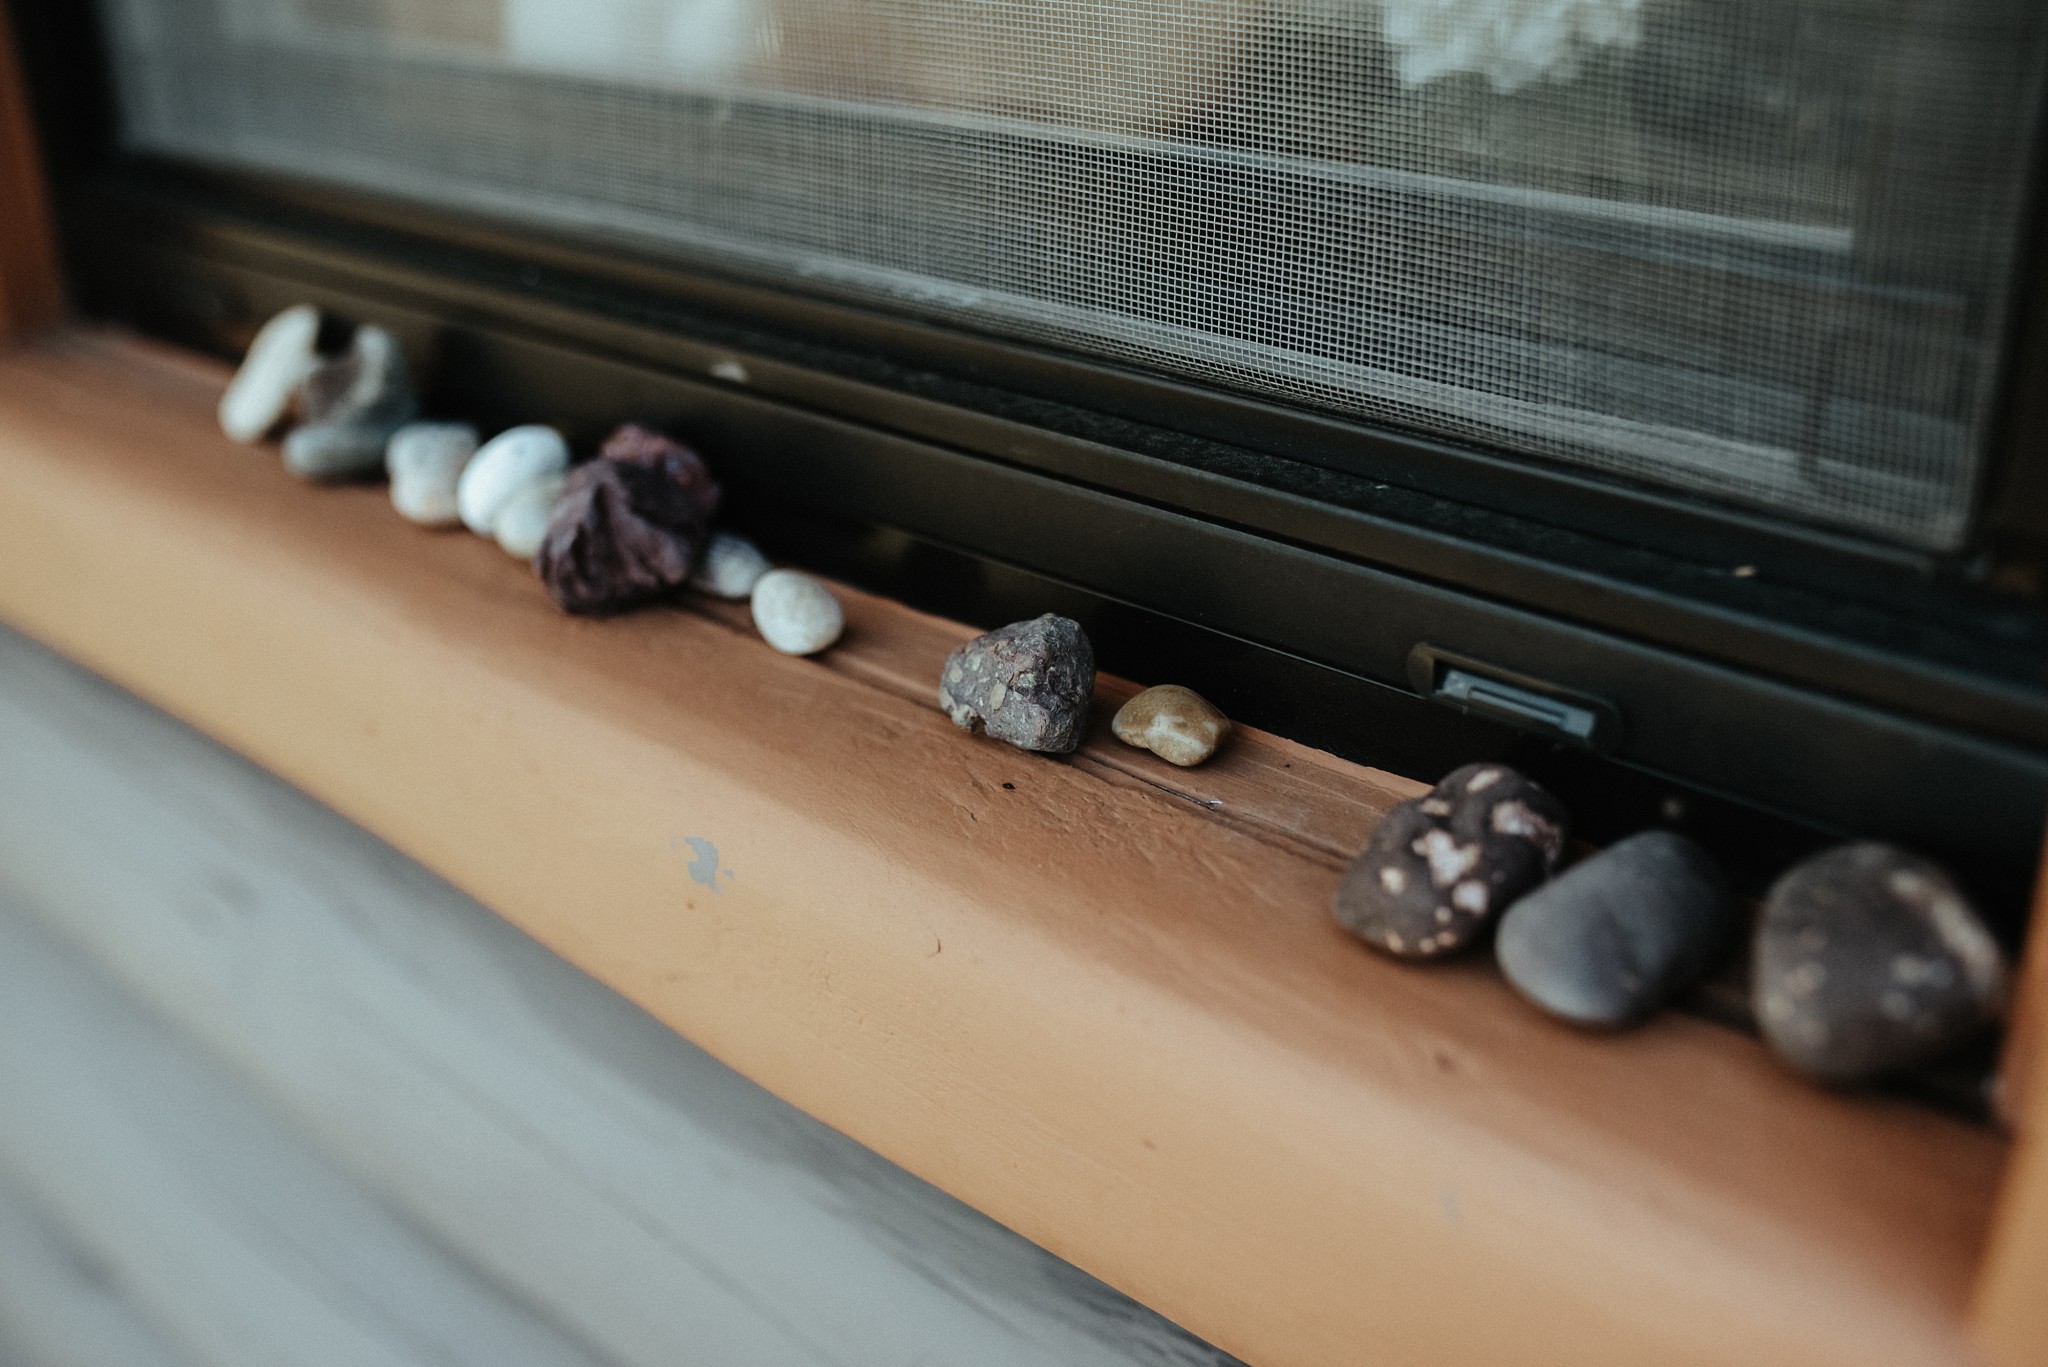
1100, 999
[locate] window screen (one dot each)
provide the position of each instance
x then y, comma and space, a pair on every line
1759, 250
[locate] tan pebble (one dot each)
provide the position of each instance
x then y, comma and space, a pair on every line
1177, 724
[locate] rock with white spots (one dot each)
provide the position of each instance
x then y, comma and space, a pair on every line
731, 566
1610, 939
1028, 683
1440, 868
349, 407
1867, 959
1177, 724
283, 353
425, 461
504, 465
630, 526
522, 521
795, 613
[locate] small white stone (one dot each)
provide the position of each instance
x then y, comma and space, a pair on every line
505, 464
795, 613
522, 521
732, 565
425, 460
280, 357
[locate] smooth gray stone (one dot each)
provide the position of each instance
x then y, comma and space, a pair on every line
1609, 940
1868, 959
333, 451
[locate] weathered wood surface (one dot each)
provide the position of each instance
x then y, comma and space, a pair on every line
273, 1094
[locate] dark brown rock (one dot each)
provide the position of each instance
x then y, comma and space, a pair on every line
1441, 867
1028, 683
629, 526
1868, 959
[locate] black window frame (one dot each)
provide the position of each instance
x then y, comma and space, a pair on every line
1826, 683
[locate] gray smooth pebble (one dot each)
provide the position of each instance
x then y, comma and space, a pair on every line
1610, 939
334, 451
1868, 959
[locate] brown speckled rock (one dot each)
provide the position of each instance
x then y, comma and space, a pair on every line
1177, 724
628, 526
1441, 867
1028, 683
1868, 959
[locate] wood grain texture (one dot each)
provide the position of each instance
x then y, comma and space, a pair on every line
2024, 1060
31, 283
2012, 1298
1112, 1019
278, 1095
2011, 1313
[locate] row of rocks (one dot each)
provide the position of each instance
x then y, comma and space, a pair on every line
1864, 959
1030, 684
630, 525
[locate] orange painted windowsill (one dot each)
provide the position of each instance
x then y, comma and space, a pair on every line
1099, 999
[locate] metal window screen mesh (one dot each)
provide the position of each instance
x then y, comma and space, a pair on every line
1754, 249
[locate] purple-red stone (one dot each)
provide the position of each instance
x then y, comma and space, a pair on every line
630, 525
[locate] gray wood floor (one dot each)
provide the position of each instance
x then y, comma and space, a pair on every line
272, 1094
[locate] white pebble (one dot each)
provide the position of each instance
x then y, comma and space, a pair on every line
281, 356
732, 565
522, 521
795, 613
507, 463
425, 460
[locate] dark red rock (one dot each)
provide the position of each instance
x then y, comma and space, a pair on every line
1440, 868
1028, 683
629, 526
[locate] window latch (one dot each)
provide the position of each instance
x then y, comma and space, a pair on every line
1520, 700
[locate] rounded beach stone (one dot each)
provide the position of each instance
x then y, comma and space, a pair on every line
795, 613
1439, 868
501, 467
283, 353
730, 568
1177, 724
424, 461
334, 451
1609, 940
1868, 959
629, 526
522, 522
1028, 683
